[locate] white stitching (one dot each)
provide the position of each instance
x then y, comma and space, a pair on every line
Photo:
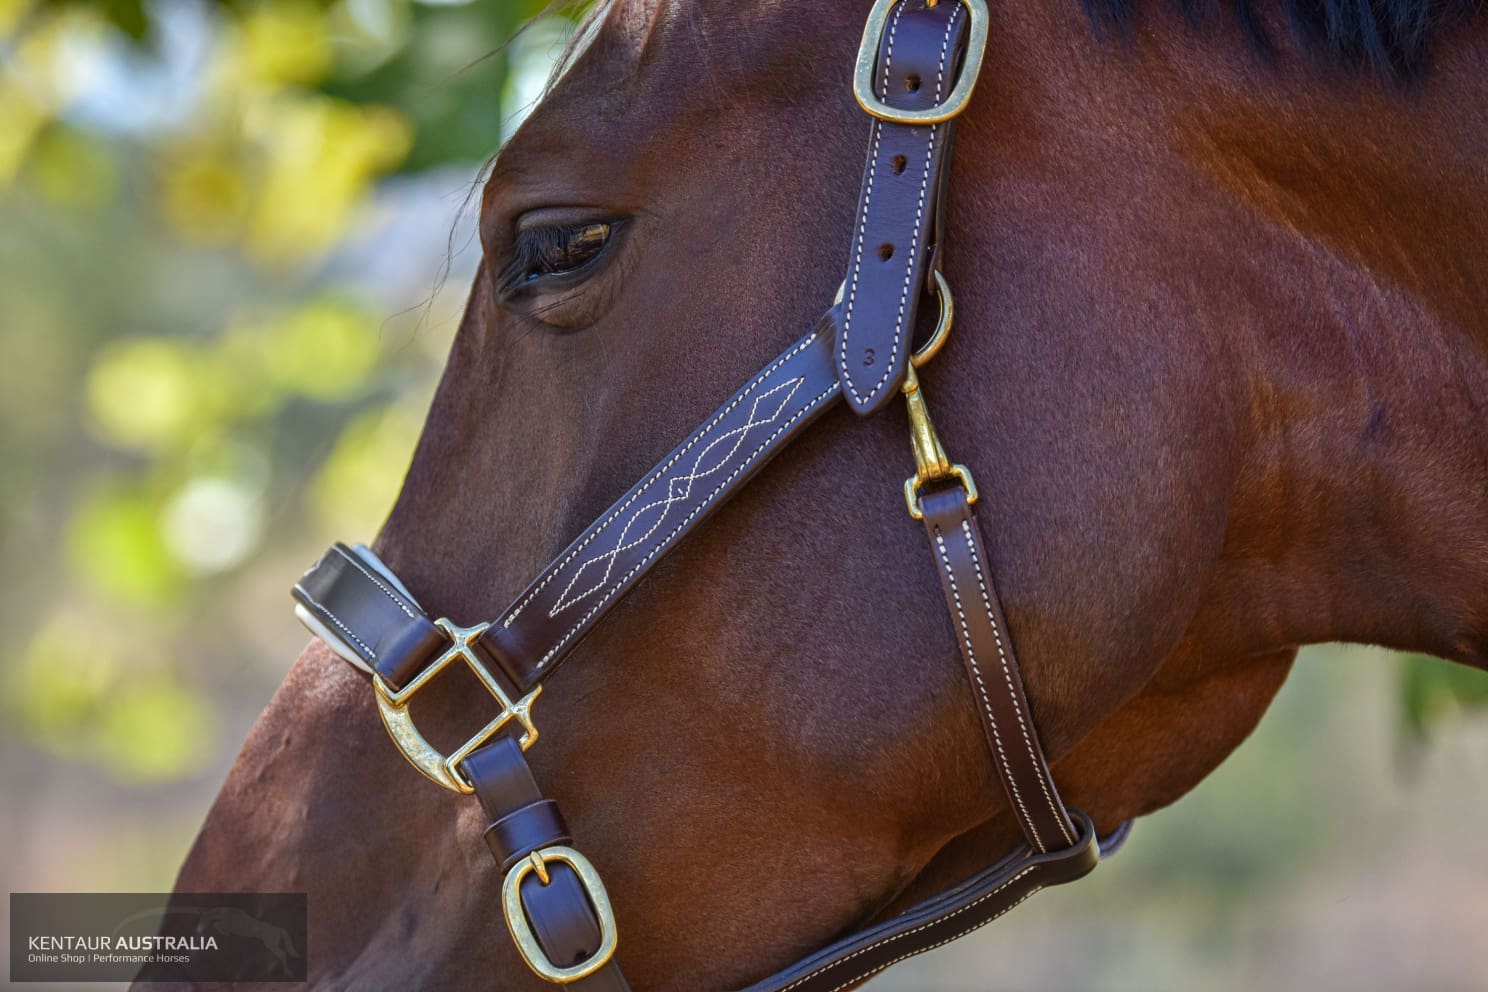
660, 471
941, 943
336, 620
620, 583
852, 294
976, 671
919, 216
863, 222
976, 562
674, 495
889, 56
388, 592
910, 933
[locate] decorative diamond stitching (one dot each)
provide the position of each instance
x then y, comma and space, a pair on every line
678, 488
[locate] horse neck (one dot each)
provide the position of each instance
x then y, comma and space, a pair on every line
1326, 234
1361, 508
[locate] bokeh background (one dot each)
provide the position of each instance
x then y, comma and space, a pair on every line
234, 242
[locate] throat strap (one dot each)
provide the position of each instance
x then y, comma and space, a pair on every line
952, 914
992, 668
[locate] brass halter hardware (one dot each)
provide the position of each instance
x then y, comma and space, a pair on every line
393, 705
942, 332
521, 930
960, 95
932, 464
555, 882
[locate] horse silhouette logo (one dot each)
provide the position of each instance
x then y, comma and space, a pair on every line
229, 921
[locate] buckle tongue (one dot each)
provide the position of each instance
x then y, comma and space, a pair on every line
521, 930
393, 705
960, 95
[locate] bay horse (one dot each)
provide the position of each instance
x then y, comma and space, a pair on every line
1221, 359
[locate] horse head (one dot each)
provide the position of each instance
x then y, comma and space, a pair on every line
1218, 363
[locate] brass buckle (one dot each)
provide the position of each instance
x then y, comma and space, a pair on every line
521, 929
960, 94
393, 705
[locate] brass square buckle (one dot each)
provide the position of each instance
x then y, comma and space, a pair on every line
521, 930
960, 95
393, 705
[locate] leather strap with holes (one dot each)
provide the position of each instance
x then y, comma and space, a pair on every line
366, 615
522, 820
919, 52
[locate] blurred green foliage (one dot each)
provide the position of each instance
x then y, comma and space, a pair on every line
211, 361
200, 381
1431, 690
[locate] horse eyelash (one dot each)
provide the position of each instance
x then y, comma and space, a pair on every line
529, 250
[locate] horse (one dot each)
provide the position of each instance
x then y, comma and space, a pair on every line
1221, 364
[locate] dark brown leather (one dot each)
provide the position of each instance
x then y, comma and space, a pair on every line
992, 667
860, 349
918, 57
373, 616
579, 588
939, 920
565, 602
532, 827
1061, 847
559, 912
356, 603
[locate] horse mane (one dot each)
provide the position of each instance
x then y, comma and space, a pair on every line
1391, 37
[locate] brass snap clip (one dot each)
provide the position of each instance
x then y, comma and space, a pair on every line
932, 464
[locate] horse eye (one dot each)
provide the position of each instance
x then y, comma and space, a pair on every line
552, 251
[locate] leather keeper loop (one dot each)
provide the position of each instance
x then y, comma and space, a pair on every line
408, 651
531, 828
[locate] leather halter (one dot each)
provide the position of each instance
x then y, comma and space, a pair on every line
915, 72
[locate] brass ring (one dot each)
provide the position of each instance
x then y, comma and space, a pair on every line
942, 332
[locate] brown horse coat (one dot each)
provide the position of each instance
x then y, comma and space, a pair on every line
1221, 368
